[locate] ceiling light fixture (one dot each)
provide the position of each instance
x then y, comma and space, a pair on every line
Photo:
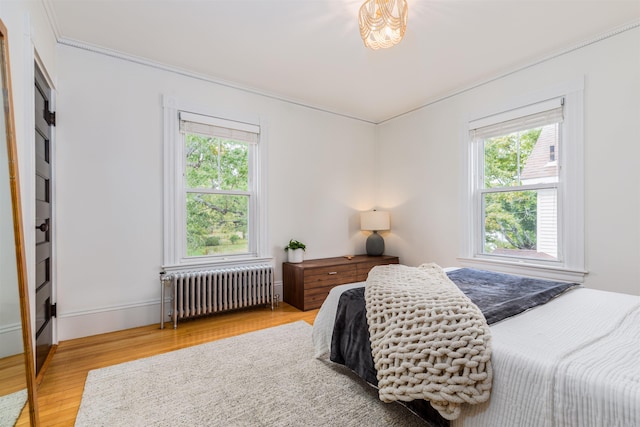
382, 22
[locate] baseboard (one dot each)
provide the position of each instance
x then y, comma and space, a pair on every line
116, 318
11, 339
107, 319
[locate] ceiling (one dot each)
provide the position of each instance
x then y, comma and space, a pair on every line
310, 51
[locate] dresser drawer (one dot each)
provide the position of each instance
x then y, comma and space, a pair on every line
313, 298
329, 276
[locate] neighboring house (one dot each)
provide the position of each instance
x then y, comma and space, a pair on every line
542, 167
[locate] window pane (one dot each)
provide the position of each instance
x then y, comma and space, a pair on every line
521, 158
521, 224
216, 163
217, 224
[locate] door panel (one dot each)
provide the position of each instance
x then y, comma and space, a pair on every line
44, 308
41, 100
42, 271
43, 347
43, 253
43, 305
42, 186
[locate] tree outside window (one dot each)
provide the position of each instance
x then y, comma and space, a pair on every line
218, 195
519, 199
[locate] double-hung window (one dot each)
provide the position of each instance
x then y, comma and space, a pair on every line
212, 189
517, 192
219, 185
524, 204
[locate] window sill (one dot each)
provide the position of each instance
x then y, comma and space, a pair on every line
220, 263
526, 269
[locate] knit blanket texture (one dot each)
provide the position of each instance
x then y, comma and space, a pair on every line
428, 340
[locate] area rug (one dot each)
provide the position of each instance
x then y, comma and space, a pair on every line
10, 407
263, 378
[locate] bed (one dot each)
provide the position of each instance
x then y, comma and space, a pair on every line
571, 361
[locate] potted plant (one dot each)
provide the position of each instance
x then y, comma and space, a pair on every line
295, 251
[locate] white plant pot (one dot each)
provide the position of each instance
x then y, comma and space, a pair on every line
295, 255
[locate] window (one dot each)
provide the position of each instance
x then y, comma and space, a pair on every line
524, 203
517, 190
212, 188
218, 187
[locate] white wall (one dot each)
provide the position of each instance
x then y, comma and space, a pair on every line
109, 183
420, 158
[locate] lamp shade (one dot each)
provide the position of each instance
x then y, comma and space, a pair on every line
374, 221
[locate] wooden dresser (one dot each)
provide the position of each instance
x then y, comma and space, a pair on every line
307, 284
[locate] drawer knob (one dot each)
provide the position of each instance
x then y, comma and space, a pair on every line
333, 272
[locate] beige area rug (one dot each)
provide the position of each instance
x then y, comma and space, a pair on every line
263, 378
10, 407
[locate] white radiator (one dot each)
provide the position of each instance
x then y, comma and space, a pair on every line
199, 293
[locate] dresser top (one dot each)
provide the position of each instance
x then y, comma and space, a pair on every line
342, 260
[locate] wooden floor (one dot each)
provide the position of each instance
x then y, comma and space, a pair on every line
61, 388
12, 372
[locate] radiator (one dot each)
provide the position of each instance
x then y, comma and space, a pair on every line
200, 293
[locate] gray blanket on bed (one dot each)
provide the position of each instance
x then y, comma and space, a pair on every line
499, 296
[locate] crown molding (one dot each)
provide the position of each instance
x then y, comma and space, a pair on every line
53, 19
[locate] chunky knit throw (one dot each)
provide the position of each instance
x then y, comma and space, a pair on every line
429, 341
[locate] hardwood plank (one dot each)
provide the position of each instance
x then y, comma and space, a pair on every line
62, 384
12, 372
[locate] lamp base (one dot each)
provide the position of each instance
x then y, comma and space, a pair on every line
375, 244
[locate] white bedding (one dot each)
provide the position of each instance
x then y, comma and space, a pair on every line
326, 318
574, 361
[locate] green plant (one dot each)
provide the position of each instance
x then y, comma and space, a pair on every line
212, 241
294, 244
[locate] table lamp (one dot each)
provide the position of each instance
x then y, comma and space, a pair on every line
374, 221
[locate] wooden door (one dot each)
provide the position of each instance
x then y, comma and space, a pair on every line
45, 309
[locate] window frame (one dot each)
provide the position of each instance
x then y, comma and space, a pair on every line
570, 265
480, 189
175, 191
